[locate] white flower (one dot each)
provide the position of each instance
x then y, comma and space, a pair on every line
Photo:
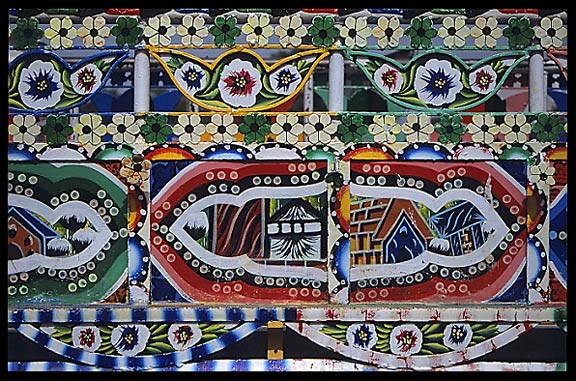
362, 335
320, 128
86, 337
87, 79
457, 336
388, 32
483, 129
40, 86
257, 29
486, 32
190, 77
454, 31
286, 128
405, 340
290, 30
551, 32
437, 82
388, 79
542, 174
61, 32
515, 128
417, 128
384, 128
239, 83
192, 30
483, 79
90, 130
183, 336
94, 31
222, 128
189, 129
24, 129
130, 339
123, 128
355, 31
159, 30
285, 79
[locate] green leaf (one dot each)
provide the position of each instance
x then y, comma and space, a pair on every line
16, 104
152, 351
431, 328
478, 338
435, 336
14, 76
436, 347
161, 346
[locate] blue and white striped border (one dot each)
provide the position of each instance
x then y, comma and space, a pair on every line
176, 358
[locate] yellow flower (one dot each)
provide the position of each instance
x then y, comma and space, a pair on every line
551, 32
486, 32
388, 32
320, 128
384, 128
136, 170
189, 129
483, 129
355, 31
515, 128
257, 29
286, 128
90, 130
290, 30
124, 128
192, 30
454, 31
24, 129
542, 174
94, 31
417, 128
61, 32
222, 128
159, 30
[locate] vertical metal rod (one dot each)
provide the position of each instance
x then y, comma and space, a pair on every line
309, 94
336, 82
536, 88
141, 81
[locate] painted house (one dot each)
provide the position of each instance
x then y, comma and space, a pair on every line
462, 226
27, 234
386, 231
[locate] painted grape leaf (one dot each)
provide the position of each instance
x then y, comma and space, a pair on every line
437, 80
39, 80
238, 78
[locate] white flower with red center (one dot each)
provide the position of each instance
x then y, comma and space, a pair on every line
239, 84
183, 336
285, 79
86, 79
405, 340
483, 80
86, 337
40, 85
190, 77
388, 79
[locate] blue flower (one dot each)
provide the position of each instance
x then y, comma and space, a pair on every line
362, 335
437, 82
285, 80
190, 77
457, 336
129, 340
40, 85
